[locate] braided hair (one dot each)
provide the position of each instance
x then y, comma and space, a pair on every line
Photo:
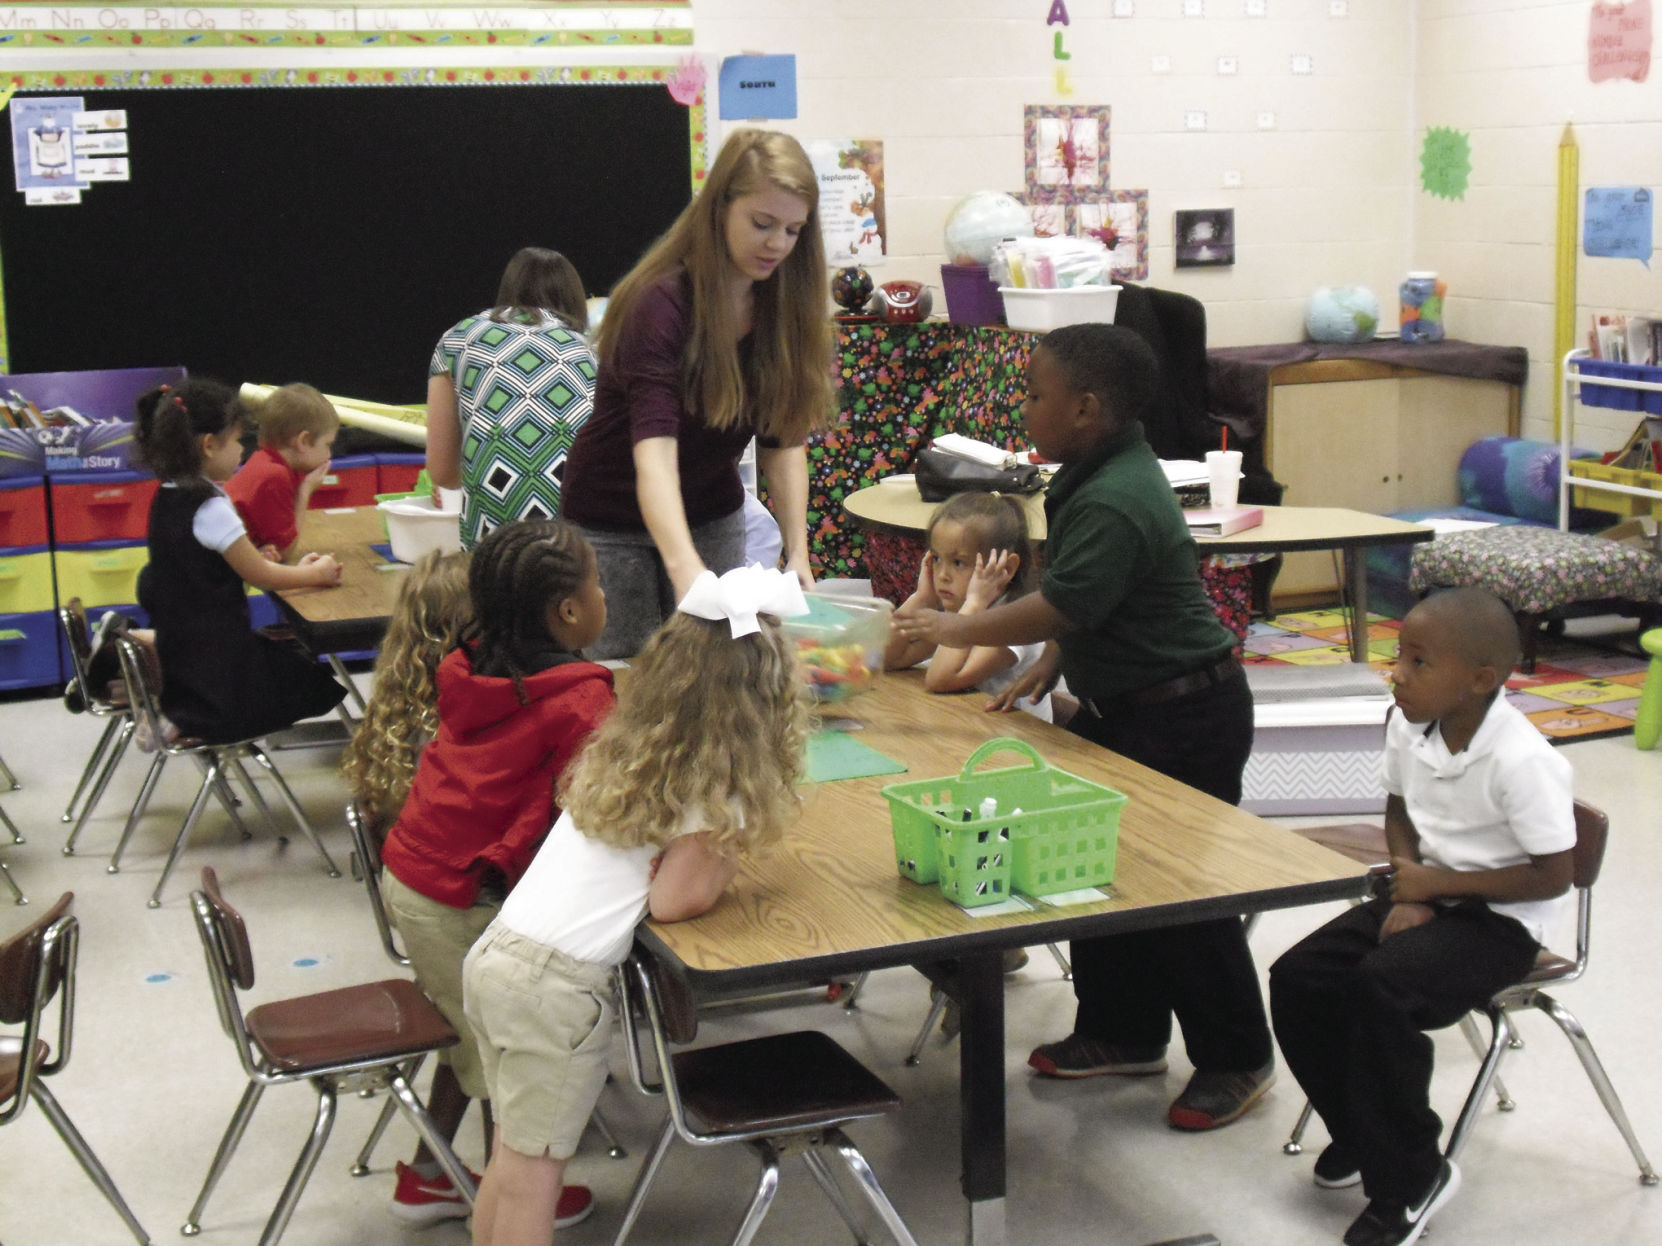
173, 419
517, 573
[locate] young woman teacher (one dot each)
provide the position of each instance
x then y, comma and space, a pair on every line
719, 334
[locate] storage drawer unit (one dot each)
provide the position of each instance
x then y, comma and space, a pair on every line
100, 574
29, 650
23, 512
101, 506
26, 580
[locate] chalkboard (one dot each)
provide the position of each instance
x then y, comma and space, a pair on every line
328, 234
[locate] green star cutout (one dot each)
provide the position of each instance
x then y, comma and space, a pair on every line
1445, 163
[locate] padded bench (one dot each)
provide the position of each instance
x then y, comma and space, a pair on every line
1538, 572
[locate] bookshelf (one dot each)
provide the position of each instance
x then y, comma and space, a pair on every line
1629, 491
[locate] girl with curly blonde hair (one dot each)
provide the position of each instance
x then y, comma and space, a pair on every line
403, 710
698, 764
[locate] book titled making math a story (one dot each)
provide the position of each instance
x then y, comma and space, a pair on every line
1223, 520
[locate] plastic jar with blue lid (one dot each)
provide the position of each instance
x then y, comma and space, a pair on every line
1421, 295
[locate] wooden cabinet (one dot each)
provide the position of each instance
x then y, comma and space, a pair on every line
1374, 437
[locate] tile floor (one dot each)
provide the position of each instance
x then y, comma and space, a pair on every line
153, 1080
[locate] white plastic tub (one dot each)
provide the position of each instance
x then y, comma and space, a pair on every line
415, 527
1044, 310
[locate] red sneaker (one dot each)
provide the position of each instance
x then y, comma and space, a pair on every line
427, 1200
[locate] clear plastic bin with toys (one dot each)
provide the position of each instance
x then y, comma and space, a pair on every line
840, 643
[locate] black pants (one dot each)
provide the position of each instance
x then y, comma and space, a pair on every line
1350, 1013
1129, 986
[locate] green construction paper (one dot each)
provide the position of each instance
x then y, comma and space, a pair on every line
1445, 162
834, 755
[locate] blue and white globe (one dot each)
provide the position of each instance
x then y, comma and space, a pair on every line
979, 221
1342, 314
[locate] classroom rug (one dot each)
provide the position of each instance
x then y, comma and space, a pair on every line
1578, 691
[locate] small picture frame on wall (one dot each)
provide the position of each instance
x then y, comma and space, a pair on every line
1205, 238
1119, 220
1067, 152
1050, 220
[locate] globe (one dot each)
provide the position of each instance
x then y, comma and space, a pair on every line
979, 221
1342, 314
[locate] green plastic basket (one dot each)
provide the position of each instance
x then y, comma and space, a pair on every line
1053, 831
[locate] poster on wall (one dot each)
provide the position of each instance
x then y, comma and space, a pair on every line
1119, 220
852, 214
43, 148
1067, 151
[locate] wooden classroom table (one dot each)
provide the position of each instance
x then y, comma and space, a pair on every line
899, 509
354, 613
829, 901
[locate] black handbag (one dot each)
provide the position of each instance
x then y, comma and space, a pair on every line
940, 475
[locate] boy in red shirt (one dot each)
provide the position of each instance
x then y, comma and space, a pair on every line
298, 427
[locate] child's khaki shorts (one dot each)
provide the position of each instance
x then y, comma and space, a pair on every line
543, 1023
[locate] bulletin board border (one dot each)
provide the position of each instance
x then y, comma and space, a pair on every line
302, 78
210, 24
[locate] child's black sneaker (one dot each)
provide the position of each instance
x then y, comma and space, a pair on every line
1078, 1055
1389, 1222
1336, 1168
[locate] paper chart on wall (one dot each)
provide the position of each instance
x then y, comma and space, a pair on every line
60, 149
853, 218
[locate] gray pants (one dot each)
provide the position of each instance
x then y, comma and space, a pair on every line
639, 596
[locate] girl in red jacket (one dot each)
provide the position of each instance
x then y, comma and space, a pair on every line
516, 703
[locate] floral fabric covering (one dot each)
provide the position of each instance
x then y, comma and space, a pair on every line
1537, 570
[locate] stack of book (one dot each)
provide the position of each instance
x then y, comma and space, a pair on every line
1222, 520
1625, 339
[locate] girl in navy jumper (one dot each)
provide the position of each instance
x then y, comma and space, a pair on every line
516, 704
221, 680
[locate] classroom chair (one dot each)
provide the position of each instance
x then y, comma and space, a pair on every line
1366, 844
218, 763
5, 874
110, 703
11, 781
940, 999
36, 965
775, 1094
350, 1038
366, 860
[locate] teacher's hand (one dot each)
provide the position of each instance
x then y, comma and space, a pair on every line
1033, 684
917, 623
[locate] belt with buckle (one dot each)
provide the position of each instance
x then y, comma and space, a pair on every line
1182, 686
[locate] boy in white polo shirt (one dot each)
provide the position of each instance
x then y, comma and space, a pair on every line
1481, 827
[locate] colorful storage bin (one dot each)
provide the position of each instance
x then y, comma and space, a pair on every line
23, 512
101, 574
29, 650
1620, 397
101, 506
1051, 831
26, 580
1626, 504
397, 473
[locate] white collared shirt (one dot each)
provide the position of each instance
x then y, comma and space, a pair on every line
1505, 797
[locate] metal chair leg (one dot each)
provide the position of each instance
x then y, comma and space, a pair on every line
89, 1162
1295, 1140
11, 827
1468, 1026
302, 1173
222, 1157
1485, 1074
191, 818
868, 1186
643, 1181
360, 1167
11, 883
212, 764
1594, 1067
828, 1182
406, 1099
767, 1185
6, 773
140, 803
614, 1148
117, 751
1067, 969
258, 800
94, 764
850, 1001
938, 1001
293, 806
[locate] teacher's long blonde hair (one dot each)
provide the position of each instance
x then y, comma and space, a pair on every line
787, 388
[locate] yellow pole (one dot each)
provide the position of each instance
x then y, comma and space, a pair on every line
1563, 337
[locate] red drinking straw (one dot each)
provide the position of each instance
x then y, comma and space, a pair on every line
1226, 436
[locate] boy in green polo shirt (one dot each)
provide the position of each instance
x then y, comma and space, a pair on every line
1125, 619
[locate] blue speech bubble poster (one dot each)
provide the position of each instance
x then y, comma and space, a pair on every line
758, 88
1618, 222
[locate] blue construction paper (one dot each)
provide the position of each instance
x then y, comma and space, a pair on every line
1618, 222
761, 87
